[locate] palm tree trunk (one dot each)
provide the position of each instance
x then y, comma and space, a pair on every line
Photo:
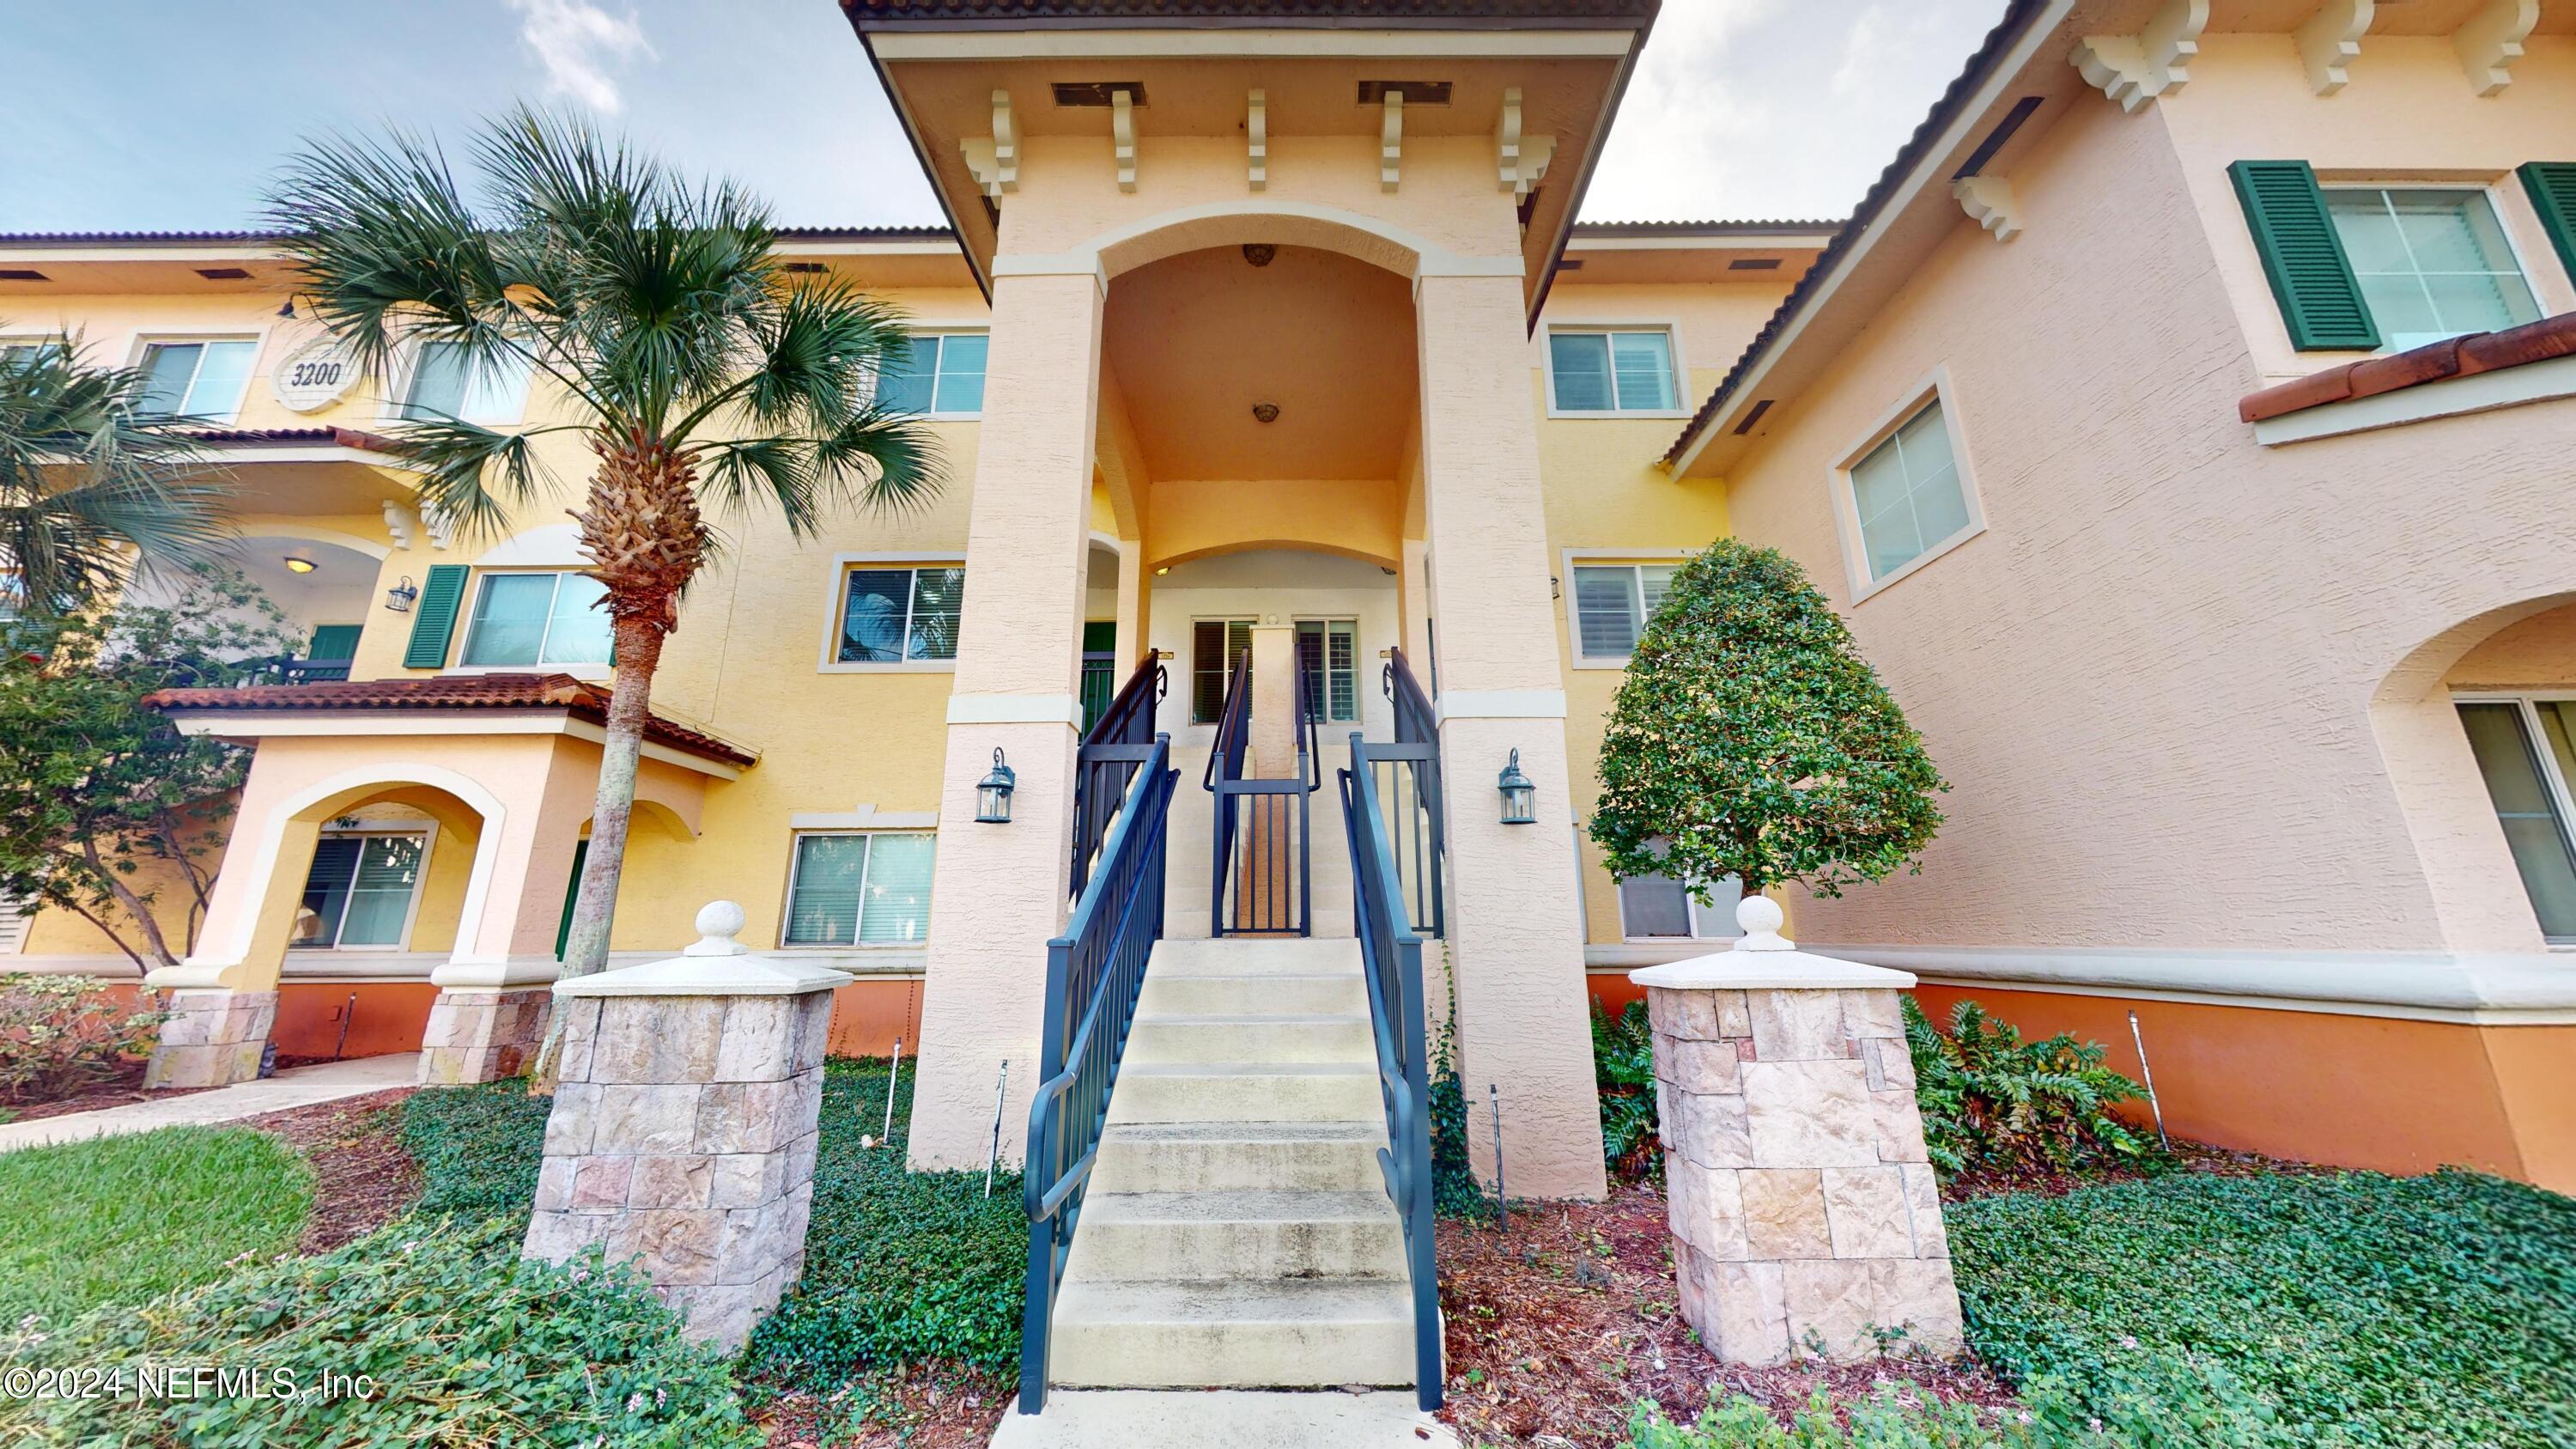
639, 652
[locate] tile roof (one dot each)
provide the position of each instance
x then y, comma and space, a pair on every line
866, 13
451, 692
1746, 227
260, 238
275, 437
2540, 341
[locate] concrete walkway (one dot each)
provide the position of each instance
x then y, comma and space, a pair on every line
1233, 1418
293, 1087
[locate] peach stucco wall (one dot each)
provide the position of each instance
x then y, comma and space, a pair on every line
2150, 679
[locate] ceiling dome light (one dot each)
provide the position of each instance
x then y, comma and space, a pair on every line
1265, 412
298, 564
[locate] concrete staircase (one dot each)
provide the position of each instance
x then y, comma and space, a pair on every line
1236, 1232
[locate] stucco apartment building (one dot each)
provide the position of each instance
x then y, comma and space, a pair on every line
2181, 422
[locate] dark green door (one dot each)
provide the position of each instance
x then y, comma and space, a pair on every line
572, 893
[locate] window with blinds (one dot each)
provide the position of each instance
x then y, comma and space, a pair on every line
1214, 646
1656, 907
901, 615
860, 889
1612, 603
1328, 655
359, 892
1612, 372
2526, 749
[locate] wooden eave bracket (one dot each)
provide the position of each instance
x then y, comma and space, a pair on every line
995, 159
2330, 40
1122, 131
1990, 203
1256, 132
2490, 41
1390, 142
398, 522
2135, 69
1520, 161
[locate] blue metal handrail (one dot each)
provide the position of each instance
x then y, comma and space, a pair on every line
1226, 780
1107, 760
1416, 826
1094, 972
1391, 962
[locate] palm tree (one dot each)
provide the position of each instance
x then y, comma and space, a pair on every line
694, 365
93, 481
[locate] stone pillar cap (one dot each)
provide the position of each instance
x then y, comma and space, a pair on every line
717, 965
1764, 960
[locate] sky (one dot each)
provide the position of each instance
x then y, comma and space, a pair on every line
172, 114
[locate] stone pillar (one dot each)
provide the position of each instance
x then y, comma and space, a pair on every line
1804, 1211
481, 1036
1515, 920
682, 1134
211, 1038
999, 891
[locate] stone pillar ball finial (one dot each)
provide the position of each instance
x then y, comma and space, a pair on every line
718, 923
1760, 916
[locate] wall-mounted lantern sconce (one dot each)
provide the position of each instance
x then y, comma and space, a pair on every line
399, 598
1520, 797
993, 796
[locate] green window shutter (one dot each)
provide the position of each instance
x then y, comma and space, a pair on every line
2320, 300
434, 619
2552, 185
333, 641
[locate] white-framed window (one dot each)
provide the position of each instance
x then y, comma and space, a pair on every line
198, 377
1905, 496
1610, 604
2433, 261
524, 620
362, 890
859, 888
941, 375
1215, 644
2526, 749
21, 349
443, 386
1606, 371
1328, 654
890, 614
1657, 908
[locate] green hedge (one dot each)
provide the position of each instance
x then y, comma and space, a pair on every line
122, 1219
478, 1147
458, 1341
899, 1266
2359, 1309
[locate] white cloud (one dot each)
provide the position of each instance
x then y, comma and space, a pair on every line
575, 41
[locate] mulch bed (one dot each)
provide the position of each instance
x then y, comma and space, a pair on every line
920, 1406
122, 1090
2188, 1157
362, 1177
1560, 1322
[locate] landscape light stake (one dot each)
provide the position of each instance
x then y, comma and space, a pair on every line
2150, 1074
341, 1047
1502, 1199
891, 1080
995, 1155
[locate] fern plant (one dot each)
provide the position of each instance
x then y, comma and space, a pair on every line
1623, 1061
1992, 1100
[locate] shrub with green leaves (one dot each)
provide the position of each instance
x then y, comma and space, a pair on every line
1750, 739
458, 1341
900, 1266
478, 1147
60, 1034
2352, 1309
1623, 1063
1990, 1099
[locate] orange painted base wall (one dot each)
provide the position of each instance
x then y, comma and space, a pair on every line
2352, 1091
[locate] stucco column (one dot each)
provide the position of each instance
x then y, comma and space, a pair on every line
999, 891
1413, 607
222, 1001
1515, 924
492, 1001
1135, 609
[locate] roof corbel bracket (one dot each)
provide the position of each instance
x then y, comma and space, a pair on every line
1390, 142
995, 160
2330, 40
1520, 161
398, 524
2135, 69
1122, 129
2490, 41
1256, 130
1990, 203
440, 527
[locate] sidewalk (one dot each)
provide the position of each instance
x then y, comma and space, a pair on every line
293, 1087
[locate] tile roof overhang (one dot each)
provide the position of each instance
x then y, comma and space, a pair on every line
1353, 14
449, 693
2541, 341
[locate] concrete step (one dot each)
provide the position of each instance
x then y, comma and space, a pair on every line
1237, 1419
1218, 1092
1178, 993
1258, 956
1246, 1236
1250, 1039
1315, 1333
1216, 1156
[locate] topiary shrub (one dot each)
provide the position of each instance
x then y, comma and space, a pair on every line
431, 1333
1623, 1063
1750, 739
60, 1034
1991, 1100
478, 1148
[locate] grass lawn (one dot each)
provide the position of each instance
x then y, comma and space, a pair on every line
124, 1219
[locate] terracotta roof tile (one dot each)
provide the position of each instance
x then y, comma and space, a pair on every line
873, 13
2550, 337
451, 692
271, 437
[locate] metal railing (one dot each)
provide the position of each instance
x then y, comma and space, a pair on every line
1391, 961
1263, 852
1110, 753
1094, 972
1407, 782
